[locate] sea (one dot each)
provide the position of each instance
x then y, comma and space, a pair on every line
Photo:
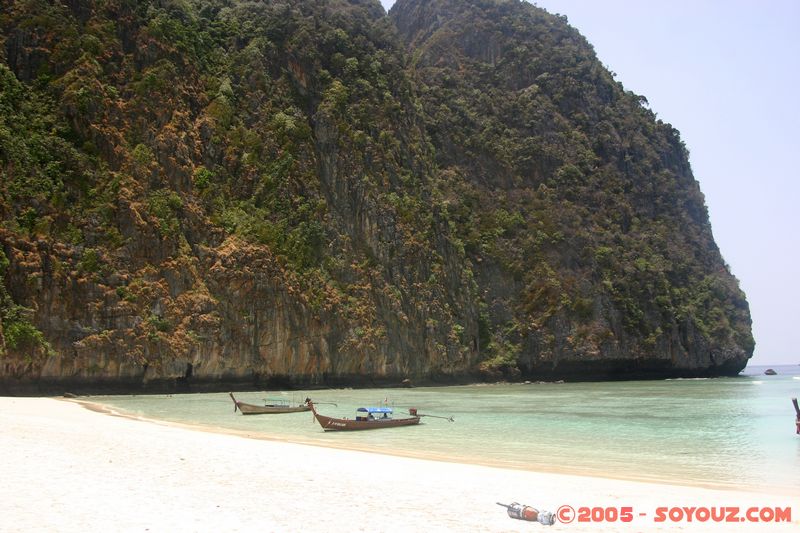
734, 432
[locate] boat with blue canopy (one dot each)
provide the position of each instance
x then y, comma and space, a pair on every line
366, 418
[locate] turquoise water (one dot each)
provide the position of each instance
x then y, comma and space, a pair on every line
725, 432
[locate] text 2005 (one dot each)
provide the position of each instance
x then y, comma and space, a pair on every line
604, 514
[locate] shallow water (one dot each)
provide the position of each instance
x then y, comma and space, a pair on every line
724, 432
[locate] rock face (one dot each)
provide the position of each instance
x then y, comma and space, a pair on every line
198, 195
587, 232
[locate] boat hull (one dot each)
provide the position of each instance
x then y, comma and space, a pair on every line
345, 424
251, 409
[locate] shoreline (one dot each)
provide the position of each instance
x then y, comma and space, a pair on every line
52, 387
71, 468
464, 460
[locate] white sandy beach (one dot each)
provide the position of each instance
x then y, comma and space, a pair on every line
69, 469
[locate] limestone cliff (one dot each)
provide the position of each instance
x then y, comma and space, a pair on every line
589, 234
209, 193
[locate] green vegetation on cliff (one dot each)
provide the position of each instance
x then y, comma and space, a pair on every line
224, 189
578, 206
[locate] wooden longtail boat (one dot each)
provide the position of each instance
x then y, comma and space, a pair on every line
366, 418
280, 406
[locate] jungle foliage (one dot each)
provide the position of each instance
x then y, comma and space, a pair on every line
566, 182
470, 165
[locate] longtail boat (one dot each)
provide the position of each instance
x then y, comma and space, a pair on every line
276, 407
366, 418
797, 415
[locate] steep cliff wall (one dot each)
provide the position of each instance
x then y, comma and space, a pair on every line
205, 193
198, 191
591, 240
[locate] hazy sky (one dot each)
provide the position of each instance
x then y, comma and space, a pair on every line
726, 74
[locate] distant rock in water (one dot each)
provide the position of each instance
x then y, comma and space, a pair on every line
770, 372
